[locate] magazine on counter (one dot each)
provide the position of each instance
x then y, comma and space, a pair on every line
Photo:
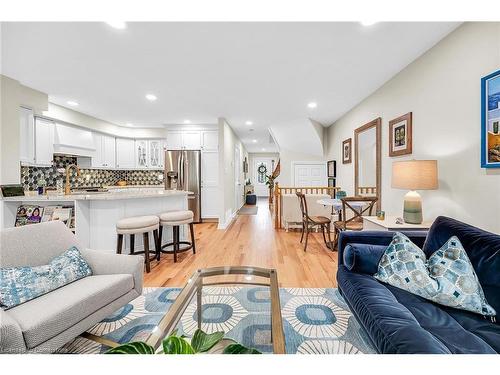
28, 214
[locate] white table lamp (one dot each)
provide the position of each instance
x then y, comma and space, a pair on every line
414, 175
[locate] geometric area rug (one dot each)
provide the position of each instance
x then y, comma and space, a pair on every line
315, 320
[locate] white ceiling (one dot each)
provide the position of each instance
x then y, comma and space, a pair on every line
263, 72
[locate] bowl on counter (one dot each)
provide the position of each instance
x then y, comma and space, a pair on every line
121, 183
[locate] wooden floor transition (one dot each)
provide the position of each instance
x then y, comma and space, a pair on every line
251, 241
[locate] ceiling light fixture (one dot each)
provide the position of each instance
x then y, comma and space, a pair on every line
368, 23
120, 25
72, 103
129, 124
254, 140
187, 121
248, 123
312, 105
263, 149
151, 97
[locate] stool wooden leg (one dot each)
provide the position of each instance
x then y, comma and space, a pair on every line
157, 244
119, 244
145, 237
191, 229
175, 230
160, 236
132, 240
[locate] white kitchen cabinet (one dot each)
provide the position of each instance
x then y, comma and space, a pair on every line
174, 140
26, 136
44, 141
210, 140
210, 184
105, 151
125, 153
155, 153
141, 153
191, 140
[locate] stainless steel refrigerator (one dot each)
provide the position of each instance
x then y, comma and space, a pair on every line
183, 172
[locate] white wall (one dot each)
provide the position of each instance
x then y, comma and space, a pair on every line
442, 90
229, 141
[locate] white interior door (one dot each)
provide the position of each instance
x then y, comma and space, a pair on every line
259, 179
238, 192
310, 174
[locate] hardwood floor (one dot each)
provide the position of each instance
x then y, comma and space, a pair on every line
251, 241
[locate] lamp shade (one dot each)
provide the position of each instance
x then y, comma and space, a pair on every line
415, 175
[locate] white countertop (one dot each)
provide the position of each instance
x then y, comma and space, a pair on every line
110, 195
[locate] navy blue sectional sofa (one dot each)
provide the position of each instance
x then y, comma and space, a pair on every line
400, 322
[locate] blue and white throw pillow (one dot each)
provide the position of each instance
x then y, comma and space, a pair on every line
21, 284
447, 278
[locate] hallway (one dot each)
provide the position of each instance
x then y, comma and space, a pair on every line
251, 240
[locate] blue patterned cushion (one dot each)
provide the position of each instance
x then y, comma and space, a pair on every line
21, 284
447, 278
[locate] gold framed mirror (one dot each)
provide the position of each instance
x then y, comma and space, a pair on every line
367, 160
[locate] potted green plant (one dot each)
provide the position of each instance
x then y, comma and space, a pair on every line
201, 342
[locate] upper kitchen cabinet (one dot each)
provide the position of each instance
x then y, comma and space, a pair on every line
174, 140
125, 153
27, 136
191, 140
105, 151
44, 141
210, 140
156, 148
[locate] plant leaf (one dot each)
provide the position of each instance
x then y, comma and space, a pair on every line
137, 347
239, 349
202, 342
176, 345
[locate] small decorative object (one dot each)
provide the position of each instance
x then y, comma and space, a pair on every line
400, 135
381, 215
332, 168
414, 175
262, 169
41, 183
347, 151
399, 221
201, 342
341, 194
331, 182
490, 118
245, 165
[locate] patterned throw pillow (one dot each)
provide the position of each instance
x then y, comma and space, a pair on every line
21, 284
447, 278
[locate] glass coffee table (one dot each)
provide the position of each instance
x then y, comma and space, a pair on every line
195, 295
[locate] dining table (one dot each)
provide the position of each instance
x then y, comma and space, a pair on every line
336, 205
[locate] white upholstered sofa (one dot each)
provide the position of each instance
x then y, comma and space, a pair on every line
44, 324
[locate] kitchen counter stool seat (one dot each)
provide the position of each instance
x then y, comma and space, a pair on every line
175, 219
139, 225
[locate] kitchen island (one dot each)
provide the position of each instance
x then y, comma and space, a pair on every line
96, 214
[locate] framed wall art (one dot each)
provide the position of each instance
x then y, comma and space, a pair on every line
400, 135
490, 120
347, 151
331, 168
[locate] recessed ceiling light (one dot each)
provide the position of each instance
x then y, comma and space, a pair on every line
254, 140
151, 97
263, 149
312, 105
72, 103
187, 121
368, 23
248, 123
117, 24
129, 124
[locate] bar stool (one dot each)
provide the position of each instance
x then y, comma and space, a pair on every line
175, 219
137, 225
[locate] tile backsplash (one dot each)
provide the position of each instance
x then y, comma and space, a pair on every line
88, 177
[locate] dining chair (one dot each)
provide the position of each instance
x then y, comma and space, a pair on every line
309, 222
354, 220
